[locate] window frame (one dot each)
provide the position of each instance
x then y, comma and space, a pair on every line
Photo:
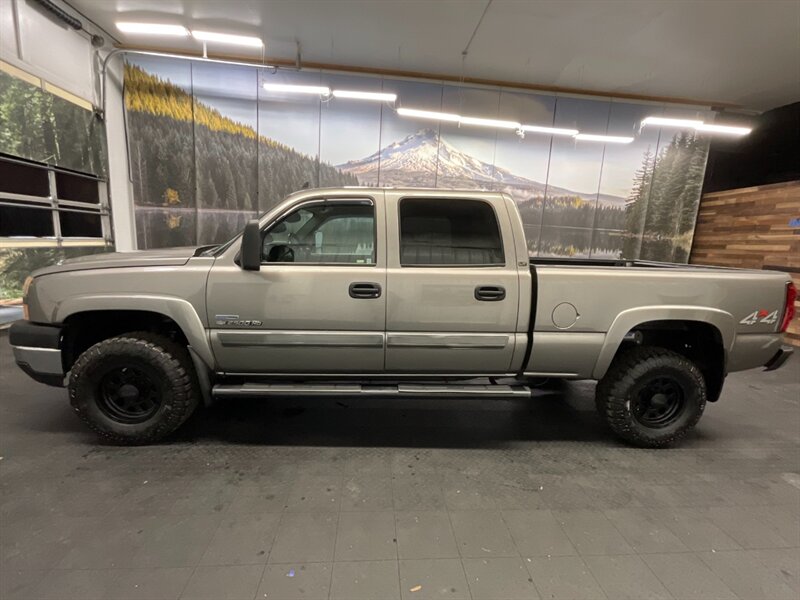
363, 201
499, 265
56, 206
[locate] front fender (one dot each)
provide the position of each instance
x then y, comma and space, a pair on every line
177, 309
629, 319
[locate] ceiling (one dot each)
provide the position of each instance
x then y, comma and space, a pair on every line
740, 52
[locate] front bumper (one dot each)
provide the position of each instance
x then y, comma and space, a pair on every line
37, 351
781, 356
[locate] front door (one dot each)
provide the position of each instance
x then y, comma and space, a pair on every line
454, 286
318, 304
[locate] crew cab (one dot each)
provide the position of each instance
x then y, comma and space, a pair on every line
392, 292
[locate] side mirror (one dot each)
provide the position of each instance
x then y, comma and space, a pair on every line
251, 247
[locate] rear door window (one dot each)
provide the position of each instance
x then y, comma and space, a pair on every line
449, 232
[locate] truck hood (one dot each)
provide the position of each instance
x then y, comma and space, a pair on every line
165, 257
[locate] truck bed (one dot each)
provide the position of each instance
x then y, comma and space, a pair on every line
611, 262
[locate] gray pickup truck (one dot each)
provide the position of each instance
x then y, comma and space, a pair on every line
391, 292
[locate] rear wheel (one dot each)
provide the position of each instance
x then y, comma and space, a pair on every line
651, 397
134, 389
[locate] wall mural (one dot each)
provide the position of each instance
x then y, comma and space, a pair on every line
211, 148
41, 126
44, 127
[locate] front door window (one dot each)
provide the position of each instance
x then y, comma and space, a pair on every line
323, 233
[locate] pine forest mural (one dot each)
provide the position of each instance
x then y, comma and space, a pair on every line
41, 126
210, 148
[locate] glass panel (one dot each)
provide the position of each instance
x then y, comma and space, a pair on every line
164, 228
77, 188
607, 243
567, 242
226, 147
574, 175
410, 146
449, 232
19, 221
216, 227
46, 128
625, 177
521, 163
466, 152
662, 216
672, 205
158, 99
350, 133
324, 233
288, 129
80, 224
17, 263
18, 178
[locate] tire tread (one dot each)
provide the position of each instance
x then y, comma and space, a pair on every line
169, 356
611, 393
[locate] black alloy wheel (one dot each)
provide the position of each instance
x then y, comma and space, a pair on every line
659, 403
129, 394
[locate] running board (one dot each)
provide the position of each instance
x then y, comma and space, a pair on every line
355, 389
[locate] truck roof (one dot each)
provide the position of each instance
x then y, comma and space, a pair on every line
409, 190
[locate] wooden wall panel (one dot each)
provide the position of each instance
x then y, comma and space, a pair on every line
750, 228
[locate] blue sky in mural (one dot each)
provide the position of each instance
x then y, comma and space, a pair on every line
350, 129
621, 160
528, 157
230, 89
177, 72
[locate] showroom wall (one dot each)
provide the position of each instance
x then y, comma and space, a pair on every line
752, 228
48, 131
749, 214
211, 148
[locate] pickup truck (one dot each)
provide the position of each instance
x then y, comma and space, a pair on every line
391, 292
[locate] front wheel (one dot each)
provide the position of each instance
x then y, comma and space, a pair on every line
651, 397
135, 388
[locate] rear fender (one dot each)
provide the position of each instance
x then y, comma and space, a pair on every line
629, 319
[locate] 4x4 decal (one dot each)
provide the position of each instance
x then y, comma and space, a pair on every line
760, 316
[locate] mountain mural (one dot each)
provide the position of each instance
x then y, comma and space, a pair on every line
415, 159
200, 171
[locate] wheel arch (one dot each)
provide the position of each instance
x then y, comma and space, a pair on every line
704, 335
110, 315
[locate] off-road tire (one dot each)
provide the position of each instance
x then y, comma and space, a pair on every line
172, 368
618, 392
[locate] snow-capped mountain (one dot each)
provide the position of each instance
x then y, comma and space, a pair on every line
423, 159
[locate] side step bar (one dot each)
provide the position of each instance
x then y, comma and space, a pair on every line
355, 389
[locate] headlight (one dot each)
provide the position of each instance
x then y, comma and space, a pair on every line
25, 287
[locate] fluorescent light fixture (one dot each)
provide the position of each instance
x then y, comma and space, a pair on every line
497, 123
725, 129
549, 130
298, 89
610, 139
152, 28
428, 114
356, 95
669, 122
500, 124
696, 125
227, 38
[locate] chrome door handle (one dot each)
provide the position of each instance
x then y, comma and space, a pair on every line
490, 293
364, 289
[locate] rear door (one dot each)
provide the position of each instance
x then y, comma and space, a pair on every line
453, 284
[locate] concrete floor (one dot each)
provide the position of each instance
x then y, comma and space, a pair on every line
402, 499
